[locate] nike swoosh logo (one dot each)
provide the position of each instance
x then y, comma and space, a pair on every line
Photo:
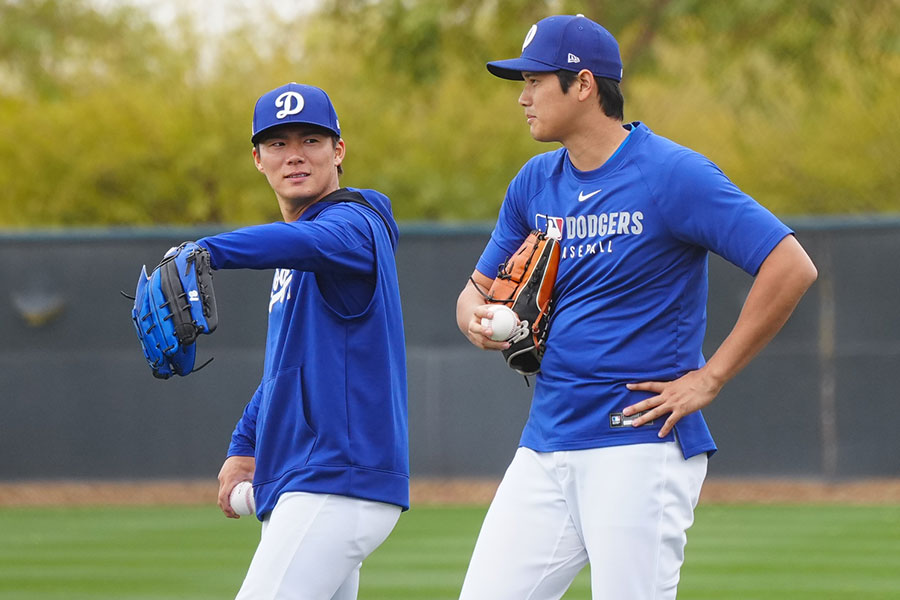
582, 196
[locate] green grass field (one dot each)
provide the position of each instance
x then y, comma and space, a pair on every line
741, 552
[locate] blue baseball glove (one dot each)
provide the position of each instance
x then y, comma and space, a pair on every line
172, 306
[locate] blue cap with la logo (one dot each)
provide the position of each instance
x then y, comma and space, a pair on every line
564, 42
294, 103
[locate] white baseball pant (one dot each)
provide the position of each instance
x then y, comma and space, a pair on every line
312, 547
625, 510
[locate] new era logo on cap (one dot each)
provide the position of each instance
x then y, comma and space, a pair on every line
294, 103
564, 42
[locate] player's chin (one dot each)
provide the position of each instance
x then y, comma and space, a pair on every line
292, 185
540, 135
300, 194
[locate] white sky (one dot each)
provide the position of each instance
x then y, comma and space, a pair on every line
217, 15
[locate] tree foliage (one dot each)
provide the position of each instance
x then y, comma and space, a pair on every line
107, 118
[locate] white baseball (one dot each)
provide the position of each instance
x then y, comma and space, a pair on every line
242, 502
502, 322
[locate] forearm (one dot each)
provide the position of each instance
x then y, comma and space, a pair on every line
471, 308
319, 246
468, 299
782, 280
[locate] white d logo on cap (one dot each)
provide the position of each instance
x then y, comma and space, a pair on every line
529, 36
290, 103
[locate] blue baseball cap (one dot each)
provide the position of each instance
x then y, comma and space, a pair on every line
294, 103
564, 42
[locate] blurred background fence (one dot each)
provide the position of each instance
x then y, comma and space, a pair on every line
78, 401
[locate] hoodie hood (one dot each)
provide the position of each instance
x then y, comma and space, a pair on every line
372, 199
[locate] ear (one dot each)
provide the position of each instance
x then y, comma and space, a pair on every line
340, 151
256, 161
585, 84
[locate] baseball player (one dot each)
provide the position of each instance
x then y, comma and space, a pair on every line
324, 437
614, 452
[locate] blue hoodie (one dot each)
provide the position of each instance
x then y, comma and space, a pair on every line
330, 415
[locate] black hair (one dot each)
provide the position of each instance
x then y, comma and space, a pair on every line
611, 99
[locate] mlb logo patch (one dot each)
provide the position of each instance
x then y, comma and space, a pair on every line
552, 226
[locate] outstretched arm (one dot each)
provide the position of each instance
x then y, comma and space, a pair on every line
783, 278
338, 241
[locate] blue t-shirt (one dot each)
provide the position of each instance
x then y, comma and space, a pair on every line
632, 284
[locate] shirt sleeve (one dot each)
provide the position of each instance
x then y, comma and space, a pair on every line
510, 231
701, 206
339, 240
243, 439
